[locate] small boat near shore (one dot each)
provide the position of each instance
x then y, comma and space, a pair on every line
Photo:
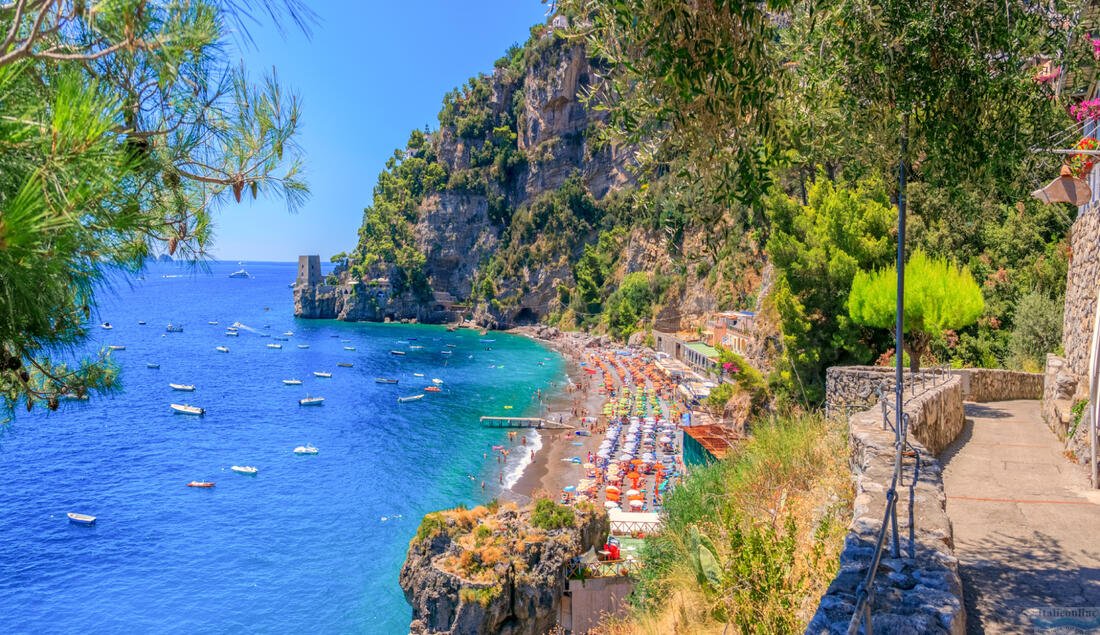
280, 338
444, 352
289, 333
152, 365
418, 374
433, 389
185, 409
318, 373
449, 345
311, 401
183, 387
141, 322
344, 364
292, 382
397, 352
200, 484
232, 333
486, 341
274, 345
437, 381
380, 380
106, 326
174, 328
305, 449
81, 519
222, 349
240, 274
116, 348
303, 346
349, 348
407, 399
214, 323
244, 469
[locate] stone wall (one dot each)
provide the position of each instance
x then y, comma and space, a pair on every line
920, 592
994, 384
1066, 378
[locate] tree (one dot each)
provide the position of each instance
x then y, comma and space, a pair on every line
939, 296
121, 128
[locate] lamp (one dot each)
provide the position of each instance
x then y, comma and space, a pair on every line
1065, 189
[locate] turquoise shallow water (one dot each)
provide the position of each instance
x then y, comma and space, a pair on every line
302, 546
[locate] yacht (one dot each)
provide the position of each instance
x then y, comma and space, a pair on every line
240, 274
232, 334
349, 348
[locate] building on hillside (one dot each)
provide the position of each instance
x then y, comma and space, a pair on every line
708, 443
309, 271
732, 330
699, 356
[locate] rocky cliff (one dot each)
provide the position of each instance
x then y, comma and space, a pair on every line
492, 216
498, 570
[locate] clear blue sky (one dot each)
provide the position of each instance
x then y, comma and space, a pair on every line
372, 72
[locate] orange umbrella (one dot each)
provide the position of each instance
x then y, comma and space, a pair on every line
611, 489
634, 476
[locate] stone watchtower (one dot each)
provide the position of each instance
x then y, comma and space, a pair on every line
309, 271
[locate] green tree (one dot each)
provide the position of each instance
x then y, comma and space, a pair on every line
121, 128
629, 304
939, 296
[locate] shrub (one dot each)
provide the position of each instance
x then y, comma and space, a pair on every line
549, 515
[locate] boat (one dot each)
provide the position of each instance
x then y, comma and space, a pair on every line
240, 274
184, 387
106, 326
188, 410
303, 346
437, 381
344, 364
116, 348
174, 328
244, 469
152, 365
450, 345
486, 341
318, 373
274, 345
379, 380
265, 334
311, 401
305, 449
231, 328
232, 333
292, 382
215, 323
289, 333
200, 484
418, 374
349, 348
397, 352
444, 352
81, 519
434, 389
222, 349
141, 322
413, 398
416, 346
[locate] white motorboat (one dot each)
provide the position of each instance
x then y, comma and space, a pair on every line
188, 410
349, 348
116, 348
106, 326
413, 398
418, 374
445, 352
232, 333
416, 347
274, 345
244, 469
215, 323
303, 346
240, 274
305, 449
222, 349
289, 333
437, 381
311, 401
184, 387
152, 365
397, 352
292, 382
81, 519
318, 373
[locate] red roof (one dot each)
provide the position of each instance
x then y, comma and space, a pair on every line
714, 438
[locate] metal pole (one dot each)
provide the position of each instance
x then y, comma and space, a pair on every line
895, 548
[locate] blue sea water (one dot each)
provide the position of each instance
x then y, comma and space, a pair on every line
311, 543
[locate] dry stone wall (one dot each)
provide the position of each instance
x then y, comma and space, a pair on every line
994, 384
921, 591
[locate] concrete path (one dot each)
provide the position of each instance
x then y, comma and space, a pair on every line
1027, 525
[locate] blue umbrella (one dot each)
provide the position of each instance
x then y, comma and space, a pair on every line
569, 488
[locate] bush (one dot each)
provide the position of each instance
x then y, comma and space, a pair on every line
549, 515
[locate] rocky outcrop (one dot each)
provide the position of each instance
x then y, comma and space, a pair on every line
493, 571
921, 591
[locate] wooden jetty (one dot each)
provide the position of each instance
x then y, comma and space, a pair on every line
523, 422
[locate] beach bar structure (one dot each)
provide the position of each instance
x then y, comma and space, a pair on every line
708, 443
523, 422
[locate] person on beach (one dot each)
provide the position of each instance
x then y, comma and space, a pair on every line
501, 477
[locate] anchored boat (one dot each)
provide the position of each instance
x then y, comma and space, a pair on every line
81, 519
303, 346
397, 352
183, 387
200, 484
292, 382
222, 349
318, 373
344, 364
311, 401
413, 398
274, 345
244, 469
152, 365
305, 449
188, 410
380, 380
349, 348
174, 328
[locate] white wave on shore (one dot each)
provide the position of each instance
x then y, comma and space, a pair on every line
534, 444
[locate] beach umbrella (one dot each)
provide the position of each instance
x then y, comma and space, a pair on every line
636, 503
666, 439
634, 476
632, 492
611, 505
612, 489
569, 488
588, 466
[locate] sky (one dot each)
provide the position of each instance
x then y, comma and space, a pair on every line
371, 72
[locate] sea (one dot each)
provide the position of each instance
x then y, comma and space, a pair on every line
310, 544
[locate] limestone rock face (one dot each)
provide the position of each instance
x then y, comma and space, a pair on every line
518, 592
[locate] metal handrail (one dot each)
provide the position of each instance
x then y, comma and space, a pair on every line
602, 569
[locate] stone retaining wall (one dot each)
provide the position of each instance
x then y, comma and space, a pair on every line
920, 592
994, 384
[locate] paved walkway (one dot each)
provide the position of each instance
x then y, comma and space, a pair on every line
1027, 525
